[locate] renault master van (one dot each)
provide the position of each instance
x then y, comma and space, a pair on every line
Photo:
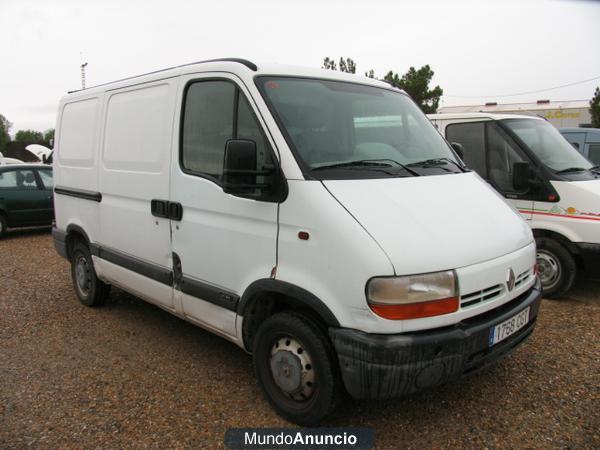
553, 187
314, 218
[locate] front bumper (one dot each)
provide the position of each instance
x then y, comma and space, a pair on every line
590, 256
378, 366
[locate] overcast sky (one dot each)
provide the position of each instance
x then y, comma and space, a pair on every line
476, 48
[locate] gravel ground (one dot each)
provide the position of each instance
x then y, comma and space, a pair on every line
131, 375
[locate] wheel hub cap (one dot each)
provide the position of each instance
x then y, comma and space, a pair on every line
291, 368
82, 275
549, 269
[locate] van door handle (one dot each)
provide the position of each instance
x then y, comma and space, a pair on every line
159, 208
175, 211
166, 209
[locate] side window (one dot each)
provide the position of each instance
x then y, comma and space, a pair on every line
594, 153
210, 121
18, 179
501, 154
8, 180
46, 176
472, 138
207, 126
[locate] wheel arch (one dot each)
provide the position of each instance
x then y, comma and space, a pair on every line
265, 297
561, 239
74, 233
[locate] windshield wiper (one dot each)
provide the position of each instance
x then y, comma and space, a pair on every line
433, 162
368, 163
572, 169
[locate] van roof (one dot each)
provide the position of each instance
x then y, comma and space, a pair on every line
490, 116
580, 130
233, 65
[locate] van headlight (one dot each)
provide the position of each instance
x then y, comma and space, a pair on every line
413, 296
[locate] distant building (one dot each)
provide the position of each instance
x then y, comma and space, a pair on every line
574, 113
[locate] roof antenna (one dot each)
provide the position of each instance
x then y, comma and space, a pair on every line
83, 65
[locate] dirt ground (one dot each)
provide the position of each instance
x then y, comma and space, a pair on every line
131, 375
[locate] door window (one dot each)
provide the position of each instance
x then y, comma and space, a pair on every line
594, 153
46, 176
18, 179
215, 112
472, 138
207, 126
501, 155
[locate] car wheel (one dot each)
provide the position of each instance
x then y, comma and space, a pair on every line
88, 287
556, 267
3, 226
296, 368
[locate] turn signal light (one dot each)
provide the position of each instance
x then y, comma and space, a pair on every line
415, 310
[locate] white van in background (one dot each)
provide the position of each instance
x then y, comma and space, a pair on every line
314, 218
553, 187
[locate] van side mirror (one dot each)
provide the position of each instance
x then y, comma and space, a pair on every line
240, 175
521, 175
459, 149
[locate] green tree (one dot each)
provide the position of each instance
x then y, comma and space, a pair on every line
29, 137
345, 65
48, 137
329, 64
416, 84
595, 108
5, 127
370, 74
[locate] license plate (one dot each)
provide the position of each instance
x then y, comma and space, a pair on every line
508, 327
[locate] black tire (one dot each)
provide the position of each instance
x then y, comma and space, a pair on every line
3, 226
325, 387
88, 287
556, 267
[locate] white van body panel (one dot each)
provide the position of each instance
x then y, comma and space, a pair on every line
417, 222
134, 283
81, 118
338, 248
576, 216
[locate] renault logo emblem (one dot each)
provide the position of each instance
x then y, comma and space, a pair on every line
510, 280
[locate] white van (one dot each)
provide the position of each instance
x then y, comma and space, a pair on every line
554, 187
314, 218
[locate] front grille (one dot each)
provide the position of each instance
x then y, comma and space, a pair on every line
493, 292
523, 277
481, 296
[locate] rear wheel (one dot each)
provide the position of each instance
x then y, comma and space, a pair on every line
296, 368
88, 287
556, 267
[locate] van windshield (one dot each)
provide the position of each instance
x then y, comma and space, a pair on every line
548, 144
339, 129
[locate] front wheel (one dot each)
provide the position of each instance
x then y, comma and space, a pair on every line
296, 368
556, 267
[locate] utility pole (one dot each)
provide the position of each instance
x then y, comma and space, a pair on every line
83, 75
